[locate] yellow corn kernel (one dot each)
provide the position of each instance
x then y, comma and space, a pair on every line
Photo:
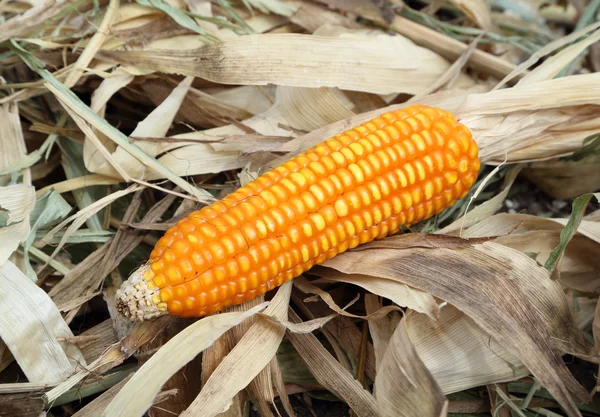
361, 185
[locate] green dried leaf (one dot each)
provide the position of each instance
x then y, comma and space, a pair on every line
49, 209
569, 231
177, 15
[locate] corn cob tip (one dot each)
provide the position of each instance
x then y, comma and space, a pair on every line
135, 297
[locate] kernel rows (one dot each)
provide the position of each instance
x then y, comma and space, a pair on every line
374, 182
288, 256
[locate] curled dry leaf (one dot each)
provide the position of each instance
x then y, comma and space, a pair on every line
137, 395
381, 330
402, 295
403, 385
502, 290
458, 353
305, 286
30, 325
564, 180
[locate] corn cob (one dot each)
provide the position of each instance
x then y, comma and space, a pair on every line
360, 185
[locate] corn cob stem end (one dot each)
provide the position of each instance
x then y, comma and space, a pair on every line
135, 297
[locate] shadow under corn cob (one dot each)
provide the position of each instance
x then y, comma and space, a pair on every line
360, 185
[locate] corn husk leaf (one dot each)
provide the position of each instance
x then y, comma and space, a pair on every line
416, 393
486, 209
565, 179
458, 353
302, 61
381, 330
536, 121
402, 295
538, 237
30, 326
497, 305
311, 16
137, 336
422, 35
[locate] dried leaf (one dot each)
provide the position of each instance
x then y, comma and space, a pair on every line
30, 325
403, 385
478, 11
77, 107
485, 209
253, 352
302, 61
137, 395
81, 216
331, 374
458, 353
505, 304
565, 179
402, 295
12, 142
569, 231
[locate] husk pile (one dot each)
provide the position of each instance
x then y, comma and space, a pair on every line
118, 118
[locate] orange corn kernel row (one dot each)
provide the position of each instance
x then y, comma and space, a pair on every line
360, 185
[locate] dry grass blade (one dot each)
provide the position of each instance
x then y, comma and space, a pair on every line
95, 408
84, 280
403, 385
250, 355
331, 374
76, 106
30, 325
79, 218
554, 65
137, 395
156, 124
301, 61
476, 281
